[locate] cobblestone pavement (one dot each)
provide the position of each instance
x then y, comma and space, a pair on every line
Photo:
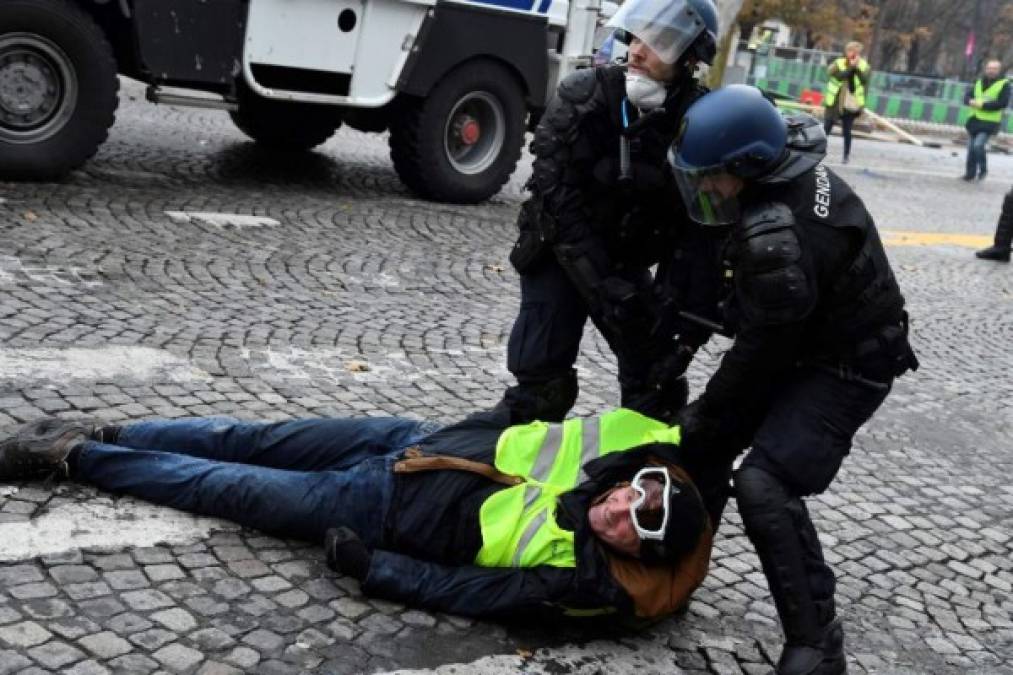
340, 294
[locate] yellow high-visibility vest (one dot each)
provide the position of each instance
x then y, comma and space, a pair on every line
834, 85
518, 523
990, 94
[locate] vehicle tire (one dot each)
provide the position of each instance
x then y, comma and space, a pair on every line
284, 125
58, 88
461, 143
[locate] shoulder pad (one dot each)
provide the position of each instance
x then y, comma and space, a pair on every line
771, 281
767, 217
578, 86
768, 239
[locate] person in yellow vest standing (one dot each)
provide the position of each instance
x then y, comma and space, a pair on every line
988, 99
586, 517
844, 95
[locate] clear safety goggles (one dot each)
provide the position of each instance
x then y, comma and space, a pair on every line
710, 194
667, 28
649, 511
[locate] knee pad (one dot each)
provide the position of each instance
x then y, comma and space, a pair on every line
758, 490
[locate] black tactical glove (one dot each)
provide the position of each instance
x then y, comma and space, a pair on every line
700, 429
670, 367
628, 313
346, 554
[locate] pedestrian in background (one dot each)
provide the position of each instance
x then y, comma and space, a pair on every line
844, 96
987, 99
1000, 249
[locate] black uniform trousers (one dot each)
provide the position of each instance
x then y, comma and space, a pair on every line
545, 338
800, 428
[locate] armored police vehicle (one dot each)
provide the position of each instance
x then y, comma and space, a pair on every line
453, 80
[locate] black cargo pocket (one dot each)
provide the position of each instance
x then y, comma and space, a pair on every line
529, 250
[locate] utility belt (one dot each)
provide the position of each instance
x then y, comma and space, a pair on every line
874, 361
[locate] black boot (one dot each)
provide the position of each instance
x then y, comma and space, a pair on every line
780, 530
547, 401
994, 253
39, 449
1000, 250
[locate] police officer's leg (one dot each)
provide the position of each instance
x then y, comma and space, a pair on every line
796, 452
543, 345
1000, 249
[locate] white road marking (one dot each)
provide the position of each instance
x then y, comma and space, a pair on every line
222, 220
16, 273
129, 523
642, 658
105, 363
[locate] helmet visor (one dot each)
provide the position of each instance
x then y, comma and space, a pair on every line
668, 28
649, 510
710, 194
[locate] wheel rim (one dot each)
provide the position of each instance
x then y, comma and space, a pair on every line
38, 88
475, 132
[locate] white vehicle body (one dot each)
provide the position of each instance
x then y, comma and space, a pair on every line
462, 79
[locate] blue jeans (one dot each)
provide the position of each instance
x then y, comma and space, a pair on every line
976, 163
295, 478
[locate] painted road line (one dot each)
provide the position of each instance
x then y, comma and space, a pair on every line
223, 220
85, 524
103, 363
899, 238
634, 657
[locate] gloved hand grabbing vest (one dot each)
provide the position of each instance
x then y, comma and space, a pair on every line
699, 428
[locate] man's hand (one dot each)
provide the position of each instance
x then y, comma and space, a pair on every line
975, 103
346, 553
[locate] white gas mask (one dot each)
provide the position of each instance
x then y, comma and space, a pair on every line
643, 92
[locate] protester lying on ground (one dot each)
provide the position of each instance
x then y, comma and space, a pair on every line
590, 516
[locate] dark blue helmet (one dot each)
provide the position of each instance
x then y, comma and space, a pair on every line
705, 47
737, 132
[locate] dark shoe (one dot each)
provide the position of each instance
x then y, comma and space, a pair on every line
345, 553
40, 448
827, 659
547, 401
967, 179
994, 253
981, 176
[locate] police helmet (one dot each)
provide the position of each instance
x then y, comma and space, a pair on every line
674, 31
734, 135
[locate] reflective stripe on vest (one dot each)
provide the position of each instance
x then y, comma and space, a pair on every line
834, 85
518, 523
990, 94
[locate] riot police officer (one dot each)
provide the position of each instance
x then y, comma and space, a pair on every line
599, 216
820, 333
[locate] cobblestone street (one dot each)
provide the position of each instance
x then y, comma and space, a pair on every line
127, 291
